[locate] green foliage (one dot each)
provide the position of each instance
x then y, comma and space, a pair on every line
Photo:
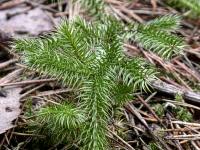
59, 122
183, 114
167, 22
88, 57
178, 98
159, 109
180, 113
193, 6
153, 146
64, 115
156, 36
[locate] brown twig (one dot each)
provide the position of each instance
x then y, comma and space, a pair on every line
11, 4
149, 108
186, 123
157, 139
185, 129
52, 92
120, 139
11, 76
151, 96
30, 91
27, 82
7, 63
184, 137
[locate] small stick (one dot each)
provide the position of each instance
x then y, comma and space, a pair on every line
151, 96
27, 134
195, 145
182, 104
151, 119
149, 108
134, 111
27, 82
120, 14
11, 76
186, 123
135, 127
11, 4
145, 114
31, 91
178, 129
116, 142
7, 63
184, 141
177, 143
114, 2
190, 71
132, 121
61, 14
177, 76
184, 137
52, 92
119, 138
48, 100
131, 14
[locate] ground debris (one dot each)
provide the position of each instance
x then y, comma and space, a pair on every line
33, 22
9, 108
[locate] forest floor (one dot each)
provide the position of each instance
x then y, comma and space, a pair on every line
162, 117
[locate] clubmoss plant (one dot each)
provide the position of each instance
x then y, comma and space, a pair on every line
88, 57
156, 35
192, 6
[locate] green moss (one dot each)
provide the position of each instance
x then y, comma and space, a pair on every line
183, 114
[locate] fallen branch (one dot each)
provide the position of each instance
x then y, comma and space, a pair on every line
190, 96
